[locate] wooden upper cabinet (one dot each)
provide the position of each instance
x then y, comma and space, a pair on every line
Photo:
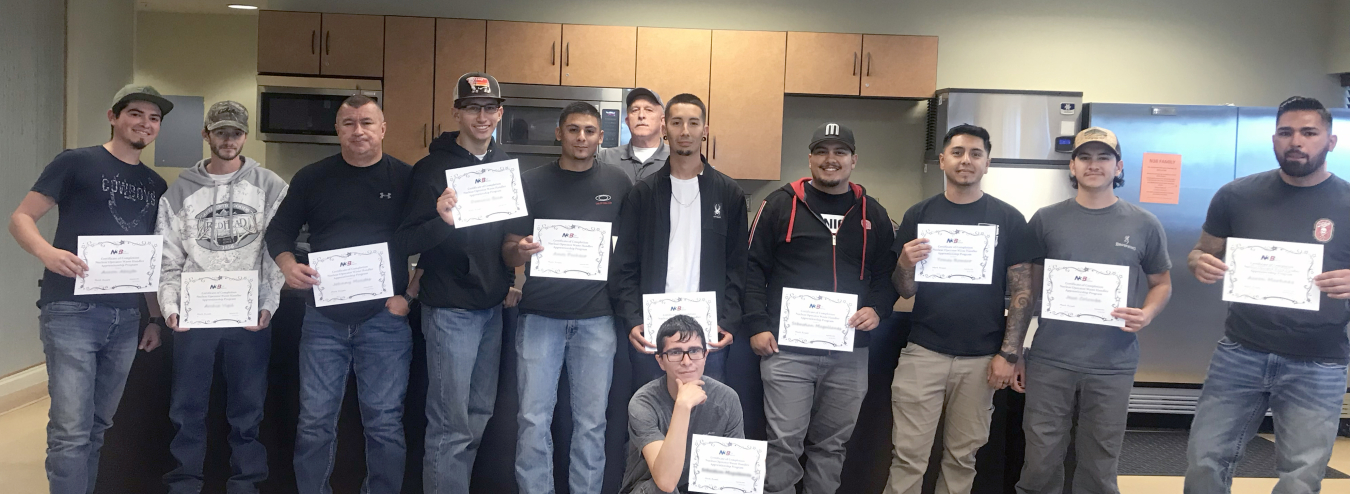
673, 61
601, 56
461, 47
409, 86
524, 52
353, 45
745, 103
899, 66
288, 42
823, 63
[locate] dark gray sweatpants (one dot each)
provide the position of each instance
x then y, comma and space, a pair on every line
1054, 397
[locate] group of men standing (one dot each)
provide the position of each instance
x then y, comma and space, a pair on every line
680, 226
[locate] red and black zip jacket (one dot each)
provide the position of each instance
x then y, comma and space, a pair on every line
791, 246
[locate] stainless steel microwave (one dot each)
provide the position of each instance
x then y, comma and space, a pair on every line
530, 115
304, 110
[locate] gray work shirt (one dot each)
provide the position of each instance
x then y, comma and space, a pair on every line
649, 414
623, 158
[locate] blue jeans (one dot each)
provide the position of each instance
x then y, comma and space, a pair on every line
244, 367
89, 350
380, 349
587, 346
1305, 398
464, 353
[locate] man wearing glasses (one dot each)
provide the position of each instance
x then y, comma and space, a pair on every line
464, 281
664, 415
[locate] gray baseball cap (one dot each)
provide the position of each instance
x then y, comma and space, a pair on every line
136, 92
227, 114
642, 93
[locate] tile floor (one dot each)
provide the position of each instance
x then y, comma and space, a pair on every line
23, 439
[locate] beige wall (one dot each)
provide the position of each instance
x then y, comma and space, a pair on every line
209, 55
99, 61
1245, 52
1338, 59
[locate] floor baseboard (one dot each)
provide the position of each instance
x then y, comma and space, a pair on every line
23, 387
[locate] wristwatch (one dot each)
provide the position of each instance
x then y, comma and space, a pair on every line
158, 320
1009, 356
408, 298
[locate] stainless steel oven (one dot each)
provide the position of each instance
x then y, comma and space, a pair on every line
530, 115
293, 109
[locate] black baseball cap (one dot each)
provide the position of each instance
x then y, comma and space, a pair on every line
478, 85
831, 131
642, 93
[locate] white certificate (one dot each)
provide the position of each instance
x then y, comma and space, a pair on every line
119, 264
218, 299
486, 193
353, 274
657, 308
576, 250
1084, 292
961, 254
812, 319
1278, 274
724, 465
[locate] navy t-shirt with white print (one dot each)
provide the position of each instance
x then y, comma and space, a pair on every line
97, 194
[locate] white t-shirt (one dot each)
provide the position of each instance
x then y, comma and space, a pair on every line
480, 156
642, 154
686, 236
223, 179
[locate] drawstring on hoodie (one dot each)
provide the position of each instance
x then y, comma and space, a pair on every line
799, 191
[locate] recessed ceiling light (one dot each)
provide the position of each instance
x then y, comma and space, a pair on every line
241, 6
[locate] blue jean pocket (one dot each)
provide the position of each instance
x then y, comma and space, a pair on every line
1227, 343
67, 307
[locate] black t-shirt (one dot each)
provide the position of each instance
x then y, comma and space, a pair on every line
1264, 207
555, 194
831, 207
958, 319
345, 206
97, 194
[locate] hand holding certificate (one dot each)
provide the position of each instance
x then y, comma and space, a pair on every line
812, 319
354, 274
659, 307
576, 250
218, 299
1278, 274
1084, 292
119, 264
961, 254
724, 465
486, 193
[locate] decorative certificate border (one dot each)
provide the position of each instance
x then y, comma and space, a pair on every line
380, 251
511, 169
990, 241
710, 315
1049, 307
1236, 273
756, 477
250, 303
601, 266
785, 324
155, 242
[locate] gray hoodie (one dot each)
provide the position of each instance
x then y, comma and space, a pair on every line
210, 226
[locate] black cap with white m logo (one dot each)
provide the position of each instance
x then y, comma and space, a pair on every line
831, 131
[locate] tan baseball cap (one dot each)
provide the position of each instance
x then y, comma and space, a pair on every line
227, 114
1096, 134
138, 92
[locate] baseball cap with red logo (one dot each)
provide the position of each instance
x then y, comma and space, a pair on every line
477, 85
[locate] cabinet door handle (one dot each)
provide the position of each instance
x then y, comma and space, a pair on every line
424, 135
714, 156
327, 42
869, 64
438, 130
314, 42
855, 63
567, 54
553, 54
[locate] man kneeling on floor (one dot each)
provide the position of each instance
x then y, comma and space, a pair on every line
665, 414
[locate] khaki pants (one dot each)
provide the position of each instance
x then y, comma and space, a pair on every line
928, 387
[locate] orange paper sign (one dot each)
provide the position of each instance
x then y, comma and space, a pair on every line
1160, 178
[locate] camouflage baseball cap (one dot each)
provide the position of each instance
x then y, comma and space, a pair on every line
135, 92
227, 114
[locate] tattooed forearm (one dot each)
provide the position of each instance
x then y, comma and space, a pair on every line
1208, 244
903, 278
1022, 305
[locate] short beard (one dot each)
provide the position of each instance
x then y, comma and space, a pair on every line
826, 183
139, 145
217, 153
684, 152
1299, 170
